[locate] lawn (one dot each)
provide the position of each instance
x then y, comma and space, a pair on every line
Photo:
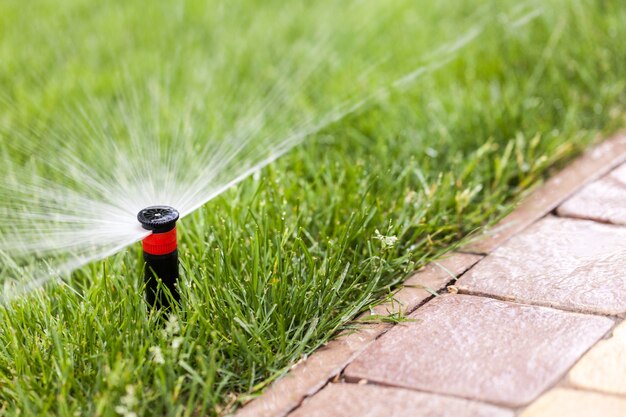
425, 122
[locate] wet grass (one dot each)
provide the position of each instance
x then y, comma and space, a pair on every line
276, 266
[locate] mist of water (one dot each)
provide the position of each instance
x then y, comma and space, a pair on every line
70, 193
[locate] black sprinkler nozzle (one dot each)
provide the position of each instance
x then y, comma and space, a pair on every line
158, 219
160, 253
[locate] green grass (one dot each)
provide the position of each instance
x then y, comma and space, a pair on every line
276, 266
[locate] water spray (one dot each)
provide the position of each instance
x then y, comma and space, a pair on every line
160, 253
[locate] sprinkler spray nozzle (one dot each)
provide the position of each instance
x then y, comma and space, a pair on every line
158, 219
160, 252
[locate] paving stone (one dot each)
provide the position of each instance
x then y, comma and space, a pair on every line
603, 200
479, 348
312, 374
564, 263
593, 164
574, 403
603, 368
348, 400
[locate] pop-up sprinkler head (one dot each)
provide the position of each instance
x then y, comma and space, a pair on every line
160, 252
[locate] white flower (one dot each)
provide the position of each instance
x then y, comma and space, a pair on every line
156, 355
127, 403
171, 327
387, 241
176, 342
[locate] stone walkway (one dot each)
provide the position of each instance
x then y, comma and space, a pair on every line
528, 321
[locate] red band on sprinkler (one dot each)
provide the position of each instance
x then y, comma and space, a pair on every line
160, 243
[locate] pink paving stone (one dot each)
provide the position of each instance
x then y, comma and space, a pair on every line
603, 200
312, 374
479, 348
351, 400
565, 263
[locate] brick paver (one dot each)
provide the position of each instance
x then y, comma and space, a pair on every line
603, 200
565, 263
352, 400
573, 403
479, 348
604, 367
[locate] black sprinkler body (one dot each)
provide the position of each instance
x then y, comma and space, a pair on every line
160, 253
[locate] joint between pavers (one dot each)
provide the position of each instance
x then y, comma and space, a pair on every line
583, 218
355, 381
563, 380
572, 216
614, 317
567, 385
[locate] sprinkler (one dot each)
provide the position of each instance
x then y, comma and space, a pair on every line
160, 252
